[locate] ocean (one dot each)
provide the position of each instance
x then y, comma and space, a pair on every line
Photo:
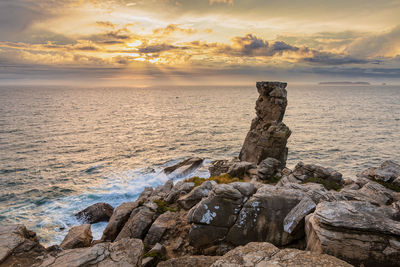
63, 149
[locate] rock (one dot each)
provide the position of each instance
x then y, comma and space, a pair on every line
184, 167
240, 169
159, 249
179, 189
19, 246
219, 167
78, 237
149, 262
197, 194
160, 192
125, 252
266, 254
268, 135
118, 219
193, 261
160, 225
138, 224
206, 235
268, 168
296, 216
388, 172
99, 212
145, 195
262, 217
355, 231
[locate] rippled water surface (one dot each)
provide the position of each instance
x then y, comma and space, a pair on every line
62, 149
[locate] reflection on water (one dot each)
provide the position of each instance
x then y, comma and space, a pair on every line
62, 149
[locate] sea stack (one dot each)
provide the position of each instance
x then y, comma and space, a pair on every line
268, 135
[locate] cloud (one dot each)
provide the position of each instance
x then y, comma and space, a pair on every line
171, 28
230, 2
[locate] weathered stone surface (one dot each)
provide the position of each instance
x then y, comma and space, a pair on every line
138, 224
304, 171
99, 212
389, 171
262, 217
160, 192
184, 167
206, 235
161, 224
268, 168
18, 246
78, 237
190, 261
268, 134
118, 219
295, 217
220, 208
267, 255
197, 194
180, 188
240, 169
125, 252
356, 231
219, 167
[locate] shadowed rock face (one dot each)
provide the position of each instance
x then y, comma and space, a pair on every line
268, 135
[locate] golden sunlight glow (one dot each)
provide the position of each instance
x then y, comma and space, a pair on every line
134, 44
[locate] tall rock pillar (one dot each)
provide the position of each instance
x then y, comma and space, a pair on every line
268, 135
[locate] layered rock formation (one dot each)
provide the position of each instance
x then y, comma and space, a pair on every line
268, 135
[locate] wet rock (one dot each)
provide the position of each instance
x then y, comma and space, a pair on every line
266, 254
138, 224
118, 219
268, 168
196, 195
165, 221
268, 134
179, 189
193, 261
99, 212
355, 231
19, 246
184, 167
125, 252
78, 237
262, 217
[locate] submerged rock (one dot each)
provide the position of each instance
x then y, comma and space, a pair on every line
268, 135
99, 212
78, 237
356, 231
184, 167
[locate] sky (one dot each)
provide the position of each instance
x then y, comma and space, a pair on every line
198, 42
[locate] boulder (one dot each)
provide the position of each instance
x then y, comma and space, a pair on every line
165, 221
262, 217
138, 224
219, 167
265, 254
268, 134
184, 167
388, 172
193, 261
295, 218
125, 252
240, 169
179, 189
19, 246
160, 192
99, 212
78, 237
268, 168
305, 172
197, 194
356, 231
118, 219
